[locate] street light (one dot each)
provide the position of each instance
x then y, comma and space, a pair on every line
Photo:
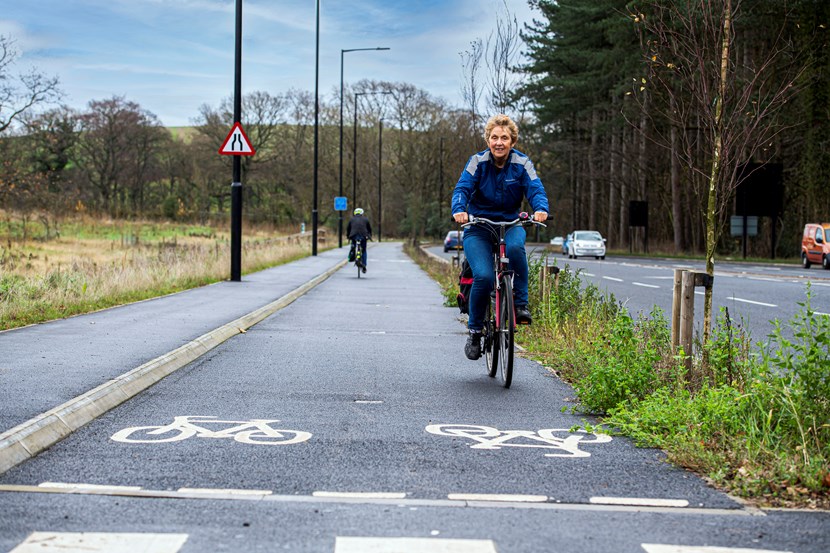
354, 141
380, 167
340, 216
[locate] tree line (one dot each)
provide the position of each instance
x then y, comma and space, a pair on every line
672, 103
617, 101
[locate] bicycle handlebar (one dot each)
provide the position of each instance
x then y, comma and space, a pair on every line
518, 221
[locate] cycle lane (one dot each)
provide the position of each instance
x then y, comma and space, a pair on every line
373, 370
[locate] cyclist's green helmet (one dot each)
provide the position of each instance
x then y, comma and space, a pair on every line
358, 211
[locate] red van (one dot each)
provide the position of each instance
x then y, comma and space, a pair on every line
815, 247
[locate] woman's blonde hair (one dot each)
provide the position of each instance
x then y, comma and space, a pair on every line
501, 120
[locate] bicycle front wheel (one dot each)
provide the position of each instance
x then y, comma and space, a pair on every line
504, 329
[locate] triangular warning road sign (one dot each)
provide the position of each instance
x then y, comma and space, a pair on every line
237, 143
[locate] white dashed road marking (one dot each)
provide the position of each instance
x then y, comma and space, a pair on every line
411, 545
361, 495
660, 548
497, 497
733, 298
225, 491
614, 279
90, 542
645, 285
100, 487
639, 501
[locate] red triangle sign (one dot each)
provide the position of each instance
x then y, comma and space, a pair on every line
237, 143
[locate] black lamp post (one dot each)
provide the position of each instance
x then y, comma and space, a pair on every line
380, 168
354, 142
340, 215
236, 185
316, 129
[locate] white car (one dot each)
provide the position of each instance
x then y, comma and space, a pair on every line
586, 243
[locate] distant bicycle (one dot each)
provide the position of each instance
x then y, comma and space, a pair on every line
257, 431
359, 255
500, 317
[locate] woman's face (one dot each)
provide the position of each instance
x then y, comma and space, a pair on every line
500, 143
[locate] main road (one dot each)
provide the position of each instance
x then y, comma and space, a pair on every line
350, 421
755, 294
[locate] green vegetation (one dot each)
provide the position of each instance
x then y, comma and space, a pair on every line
755, 419
95, 264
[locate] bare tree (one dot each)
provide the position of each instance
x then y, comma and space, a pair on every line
502, 58
19, 93
471, 84
718, 105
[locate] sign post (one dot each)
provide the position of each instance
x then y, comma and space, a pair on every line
237, 144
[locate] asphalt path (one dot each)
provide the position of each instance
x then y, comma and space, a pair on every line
754, 294
379, 433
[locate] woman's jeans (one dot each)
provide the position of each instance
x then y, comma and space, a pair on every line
479, 244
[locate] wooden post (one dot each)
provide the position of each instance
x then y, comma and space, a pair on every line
675, 310
543, 283
687, 315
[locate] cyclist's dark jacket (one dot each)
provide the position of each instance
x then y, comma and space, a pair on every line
485, 191
359, 227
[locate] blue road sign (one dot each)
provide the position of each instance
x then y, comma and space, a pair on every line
341, 203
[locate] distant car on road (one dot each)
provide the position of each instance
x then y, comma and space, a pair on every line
453, 240
586, 243
815, 247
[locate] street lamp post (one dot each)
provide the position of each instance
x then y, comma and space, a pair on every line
380, 168
316, 129
340, 215
354, 141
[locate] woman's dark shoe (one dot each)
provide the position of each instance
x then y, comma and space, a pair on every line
473, 347
523, 315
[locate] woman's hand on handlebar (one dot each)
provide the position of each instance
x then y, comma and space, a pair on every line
462, 217
540, 216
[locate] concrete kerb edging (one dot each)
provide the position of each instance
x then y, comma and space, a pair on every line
26, 440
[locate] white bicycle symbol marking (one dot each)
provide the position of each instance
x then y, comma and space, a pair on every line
546, 438
257, 431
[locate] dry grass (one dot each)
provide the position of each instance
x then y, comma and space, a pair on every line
98, 264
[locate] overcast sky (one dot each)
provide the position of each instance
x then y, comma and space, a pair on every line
171, 56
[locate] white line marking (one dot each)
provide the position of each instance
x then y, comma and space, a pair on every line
753, 302
90, 542
361, 495
700, 293
765, 279
639, 501
411, 545
589, 274
820, 313
645, 285
817, 283
661, 548
225, 491
378, 332
661, 277
70, 486
408, 502
612, 278
368, 401
517, 498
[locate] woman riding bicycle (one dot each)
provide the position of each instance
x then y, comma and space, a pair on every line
493, 185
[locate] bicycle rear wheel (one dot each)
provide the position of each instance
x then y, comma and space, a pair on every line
504, 330
490, 350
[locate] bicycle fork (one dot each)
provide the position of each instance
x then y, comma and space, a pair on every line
502, 269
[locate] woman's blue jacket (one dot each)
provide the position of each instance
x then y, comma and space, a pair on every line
485, 191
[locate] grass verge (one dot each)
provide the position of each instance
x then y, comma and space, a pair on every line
97, 265
752, 418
